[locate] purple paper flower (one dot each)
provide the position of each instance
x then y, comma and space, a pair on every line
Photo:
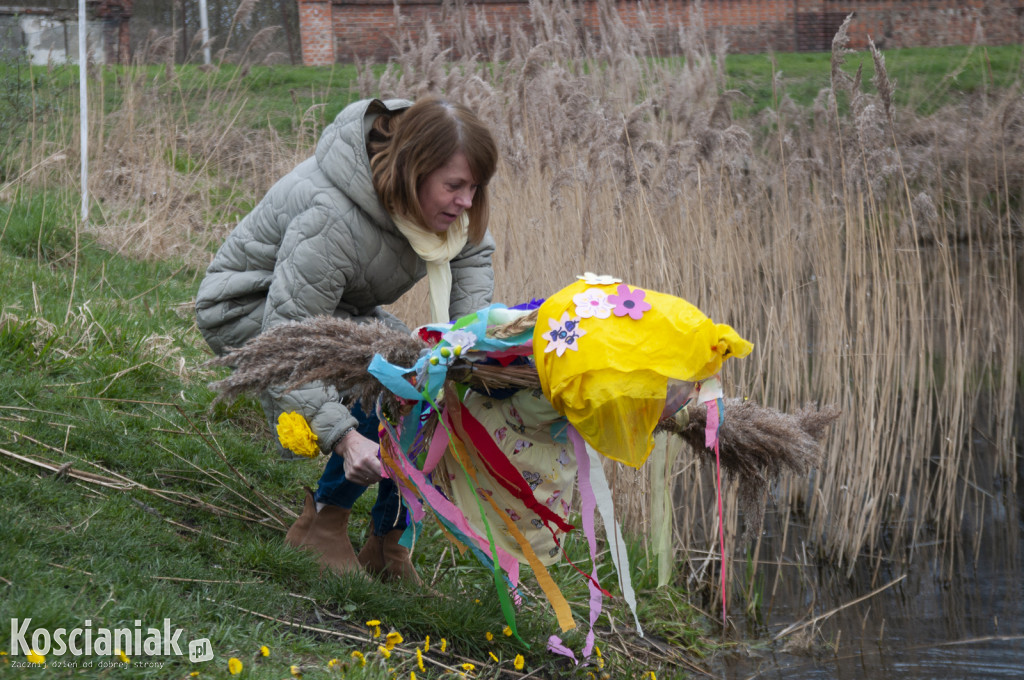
629, 303
563, 335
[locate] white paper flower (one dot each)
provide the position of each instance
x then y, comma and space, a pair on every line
592, 303
564, 334
592, 279
461, 339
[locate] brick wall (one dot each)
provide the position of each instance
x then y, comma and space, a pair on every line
341, 30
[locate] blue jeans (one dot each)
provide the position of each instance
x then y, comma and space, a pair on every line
333, 489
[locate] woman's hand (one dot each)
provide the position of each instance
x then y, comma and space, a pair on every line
362, 464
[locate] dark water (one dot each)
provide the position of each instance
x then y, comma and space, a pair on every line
957, 612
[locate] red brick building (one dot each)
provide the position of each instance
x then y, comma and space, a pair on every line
341, 30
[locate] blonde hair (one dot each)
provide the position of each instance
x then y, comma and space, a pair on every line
407, 146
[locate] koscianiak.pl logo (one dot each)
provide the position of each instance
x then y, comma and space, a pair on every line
84, 645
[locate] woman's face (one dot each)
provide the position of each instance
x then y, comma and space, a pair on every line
446, 193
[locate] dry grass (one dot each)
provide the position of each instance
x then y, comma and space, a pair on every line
872, 256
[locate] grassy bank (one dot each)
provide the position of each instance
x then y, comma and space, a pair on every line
868, 240
129, 496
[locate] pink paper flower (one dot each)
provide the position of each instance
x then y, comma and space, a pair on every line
592, 303
563, 334
629, 303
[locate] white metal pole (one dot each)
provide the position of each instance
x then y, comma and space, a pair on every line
83, 61
204, 29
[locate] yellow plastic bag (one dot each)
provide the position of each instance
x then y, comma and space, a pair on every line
605, 353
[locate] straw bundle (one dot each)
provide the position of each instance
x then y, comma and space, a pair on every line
756, 444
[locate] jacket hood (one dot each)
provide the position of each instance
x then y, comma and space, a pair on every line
341, 153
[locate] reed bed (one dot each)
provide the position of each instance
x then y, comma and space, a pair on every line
872, 255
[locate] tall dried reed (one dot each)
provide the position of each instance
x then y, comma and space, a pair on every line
872, 255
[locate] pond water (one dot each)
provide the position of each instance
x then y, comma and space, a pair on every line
932, 621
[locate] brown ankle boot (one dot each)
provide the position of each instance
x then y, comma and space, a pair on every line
298, 530
328, 538
372, 555
397, 564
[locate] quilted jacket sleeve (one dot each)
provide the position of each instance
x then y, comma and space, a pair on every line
472, 278
309, 278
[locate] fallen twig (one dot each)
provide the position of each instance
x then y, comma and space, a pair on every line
789, 630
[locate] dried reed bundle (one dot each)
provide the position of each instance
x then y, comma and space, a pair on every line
756, 445
335, 352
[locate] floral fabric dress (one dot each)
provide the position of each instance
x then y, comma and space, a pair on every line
530, 433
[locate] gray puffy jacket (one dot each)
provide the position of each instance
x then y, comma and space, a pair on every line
321, 243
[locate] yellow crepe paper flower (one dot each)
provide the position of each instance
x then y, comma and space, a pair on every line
359, 656
294, 434
375, 624
426, 644
507, 631
121, 655
444, 645
234, 666
468, 667
35, 657
264, 650
412, 675
333, 663
419, 661
494, 658
489, 635
384, 651
194, 674
519, 662
295, 671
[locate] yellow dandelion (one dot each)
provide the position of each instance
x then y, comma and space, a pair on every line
519, 662
468, 667
35, 657
494, 658
121, 655
359, 656
375, 625
419, 661
234, 666
393, 638
264, 650
384, 651
489, 635
294, 434
296, 671
426, 644
507, 631
444, 645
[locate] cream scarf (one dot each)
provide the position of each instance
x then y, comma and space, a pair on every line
437, 250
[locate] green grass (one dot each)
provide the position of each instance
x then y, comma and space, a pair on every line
101, 372
927, 78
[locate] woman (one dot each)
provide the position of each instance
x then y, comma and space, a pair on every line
395, 191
